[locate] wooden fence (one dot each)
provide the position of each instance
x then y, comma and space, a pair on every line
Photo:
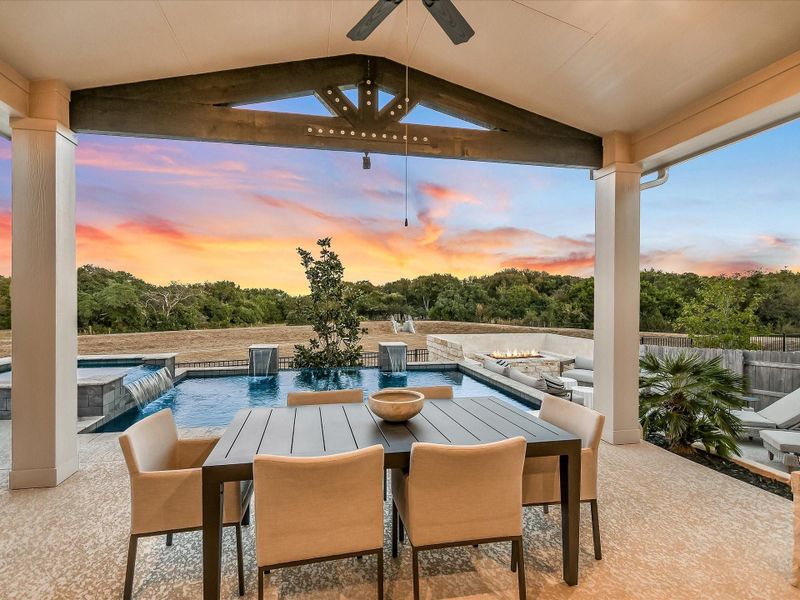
770, 375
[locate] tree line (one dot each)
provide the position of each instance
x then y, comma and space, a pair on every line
115, 301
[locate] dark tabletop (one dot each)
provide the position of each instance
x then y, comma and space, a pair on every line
329, 429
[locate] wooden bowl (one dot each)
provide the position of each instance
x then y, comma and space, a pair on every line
396, 404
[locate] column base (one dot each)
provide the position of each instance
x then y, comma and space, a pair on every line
20, 479
623, 436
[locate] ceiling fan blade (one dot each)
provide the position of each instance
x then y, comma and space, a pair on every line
449, 19
372, 19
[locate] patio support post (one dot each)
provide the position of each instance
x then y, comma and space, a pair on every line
44, 292
616, 293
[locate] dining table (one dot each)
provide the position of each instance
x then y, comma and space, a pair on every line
317, 430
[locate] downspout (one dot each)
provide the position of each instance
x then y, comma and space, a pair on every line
663, 175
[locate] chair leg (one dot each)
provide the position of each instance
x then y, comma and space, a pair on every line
546, 509
380, 574
401, 529
260, 583
128, 589
513, 557
239, 558
169, 539
395, 518
598, 551
520, 568
385, 484
415, 571
246, 517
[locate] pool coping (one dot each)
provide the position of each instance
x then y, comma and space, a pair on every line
525, 395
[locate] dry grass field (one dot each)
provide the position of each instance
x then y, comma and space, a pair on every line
228, 344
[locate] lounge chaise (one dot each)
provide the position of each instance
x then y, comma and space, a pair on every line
781, 414
783, 446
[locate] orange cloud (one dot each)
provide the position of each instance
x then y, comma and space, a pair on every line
573, 264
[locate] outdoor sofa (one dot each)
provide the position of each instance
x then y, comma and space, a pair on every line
582, 371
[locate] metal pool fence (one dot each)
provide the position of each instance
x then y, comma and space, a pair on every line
368, 359
784, 342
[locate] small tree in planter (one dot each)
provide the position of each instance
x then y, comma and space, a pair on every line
689, 399
331, 313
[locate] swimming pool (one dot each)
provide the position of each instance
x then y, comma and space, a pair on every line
213, 401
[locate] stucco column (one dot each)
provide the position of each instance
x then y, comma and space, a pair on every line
616, 300
43, 293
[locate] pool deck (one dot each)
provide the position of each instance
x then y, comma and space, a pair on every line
671, 529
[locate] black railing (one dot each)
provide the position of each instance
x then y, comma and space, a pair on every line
368, 359
211, 364
784, 342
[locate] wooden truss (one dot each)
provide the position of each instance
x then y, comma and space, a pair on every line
204, 107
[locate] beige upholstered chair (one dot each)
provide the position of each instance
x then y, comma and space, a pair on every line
328, 397
313, 509
540, 478
166, 484
461, 495
434, 392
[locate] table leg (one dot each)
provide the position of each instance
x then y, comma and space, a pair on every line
212, 536
570, 478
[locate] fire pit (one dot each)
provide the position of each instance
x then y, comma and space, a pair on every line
530, 362
516, 354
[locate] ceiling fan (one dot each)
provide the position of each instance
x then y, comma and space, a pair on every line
445, 13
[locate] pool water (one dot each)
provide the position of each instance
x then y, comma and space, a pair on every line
213, 401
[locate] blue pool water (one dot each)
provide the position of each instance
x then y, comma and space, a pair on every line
213, 401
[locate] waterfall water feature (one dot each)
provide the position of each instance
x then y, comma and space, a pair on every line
261, 362
147, 388
392, 356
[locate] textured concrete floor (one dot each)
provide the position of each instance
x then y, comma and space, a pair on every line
671, 529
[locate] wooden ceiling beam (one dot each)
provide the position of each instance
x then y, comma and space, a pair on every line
183, 121
198, 107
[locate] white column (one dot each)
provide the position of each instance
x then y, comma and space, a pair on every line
616, 300
43, 294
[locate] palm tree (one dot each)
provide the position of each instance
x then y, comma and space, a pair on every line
689, 399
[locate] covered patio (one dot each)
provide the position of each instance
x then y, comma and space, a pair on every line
624, 90
671, 529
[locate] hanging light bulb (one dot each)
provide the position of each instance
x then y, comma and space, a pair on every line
366, 162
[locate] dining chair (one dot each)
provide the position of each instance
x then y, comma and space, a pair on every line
166, 483
325, 397
434, 392
540, 477
459, 496
315, 509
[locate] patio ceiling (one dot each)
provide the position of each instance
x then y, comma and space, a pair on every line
598, 66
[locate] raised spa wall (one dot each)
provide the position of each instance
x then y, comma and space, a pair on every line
100, 395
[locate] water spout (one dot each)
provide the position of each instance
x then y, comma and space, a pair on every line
392, 357
263, 360
146, 389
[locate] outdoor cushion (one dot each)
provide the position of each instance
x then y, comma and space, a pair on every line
522, 378
492, 366
784, 441
580, 375
583, 362
785, 413
753, 420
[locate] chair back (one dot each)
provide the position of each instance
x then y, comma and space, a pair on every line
314, 507
434, 392
578, 420
785, 412
465, 493
150, 444
327, 397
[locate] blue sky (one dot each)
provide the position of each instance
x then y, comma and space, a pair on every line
167, 210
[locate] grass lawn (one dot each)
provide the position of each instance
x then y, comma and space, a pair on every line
225, 344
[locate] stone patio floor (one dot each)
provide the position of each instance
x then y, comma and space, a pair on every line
671, 529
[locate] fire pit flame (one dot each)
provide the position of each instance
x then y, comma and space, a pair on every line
515, 354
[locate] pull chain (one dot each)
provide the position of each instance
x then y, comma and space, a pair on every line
405, 137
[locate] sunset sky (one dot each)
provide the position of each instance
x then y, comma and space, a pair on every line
167, 210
